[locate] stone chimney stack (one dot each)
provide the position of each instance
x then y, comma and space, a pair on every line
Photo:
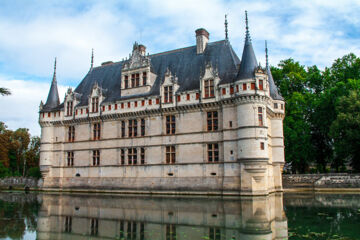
202, 38
142, 49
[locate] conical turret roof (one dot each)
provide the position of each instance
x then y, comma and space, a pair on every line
53, 97
248, 61
274, 93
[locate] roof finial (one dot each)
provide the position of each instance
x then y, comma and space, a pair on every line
92, 58
247, 36
226, 28
54, 76
266, 54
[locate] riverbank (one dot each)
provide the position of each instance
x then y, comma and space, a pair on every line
332, 182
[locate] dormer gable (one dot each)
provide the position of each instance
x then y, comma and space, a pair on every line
71, 100
136, 77
209, 81
169, 87
96, 96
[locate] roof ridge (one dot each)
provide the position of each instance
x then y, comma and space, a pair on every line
180, 49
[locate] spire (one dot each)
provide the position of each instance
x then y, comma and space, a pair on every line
248, 61
92, 59
226, 28
54, 75
274, 93
266, 55
53, 97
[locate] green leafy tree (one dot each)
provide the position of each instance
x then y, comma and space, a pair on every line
4, 91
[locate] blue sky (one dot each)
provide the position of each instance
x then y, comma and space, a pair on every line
32, 33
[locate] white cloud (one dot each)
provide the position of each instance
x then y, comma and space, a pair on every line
20, 109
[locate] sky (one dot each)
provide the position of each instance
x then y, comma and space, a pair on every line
33, 33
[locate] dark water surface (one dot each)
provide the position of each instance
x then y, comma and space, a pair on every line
82, 216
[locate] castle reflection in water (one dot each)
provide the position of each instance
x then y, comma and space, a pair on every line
164, 218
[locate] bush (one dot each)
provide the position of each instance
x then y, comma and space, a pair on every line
4, 172
34, 172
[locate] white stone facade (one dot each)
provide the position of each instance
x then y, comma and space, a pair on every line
247, 136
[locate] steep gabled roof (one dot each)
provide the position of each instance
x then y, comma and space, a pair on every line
274, 93
248, 59
184, 63
53, 96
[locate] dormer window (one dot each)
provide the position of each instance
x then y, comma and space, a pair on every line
168, 94
132, 80
209, 88
95, 104
126, 82
137, 80
261, 85
144, 78
69, 108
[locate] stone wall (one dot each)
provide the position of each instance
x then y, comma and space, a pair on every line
333, 180
19, 183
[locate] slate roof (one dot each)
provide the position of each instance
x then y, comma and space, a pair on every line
274, 93
184, 63
52, 101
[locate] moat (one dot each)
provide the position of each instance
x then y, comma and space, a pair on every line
84, 216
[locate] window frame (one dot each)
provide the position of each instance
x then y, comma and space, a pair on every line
170, 123
170, 154
212, 120
213, 152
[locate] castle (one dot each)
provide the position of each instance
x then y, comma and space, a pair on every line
195, 120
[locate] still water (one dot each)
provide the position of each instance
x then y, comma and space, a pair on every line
82, 216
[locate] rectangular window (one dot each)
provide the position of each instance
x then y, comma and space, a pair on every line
213, 152
81, 112
103, 108
115, 106
76, 113
142, 125
96, 131
171, 232
142, 155
168, 94
262, 146
142, 102
188, 97
157, 101
68, 224
209, 88
71, 134
231, 90
212, 121
96, 157
197, 96
94, 226
132, 156
275, 105
237, 88
170, 124
170, 154
260, 116
87, 111
132, 128
123, 129
244, 87
122, 105
137, 79
261, 85
70, 159
69, 108
49, 114
252, 86
122, 156
223, 91
144, 78
135, 103
94, 104
282, 106
109, 107
126, 82
150, 102
129, 104
132, 80
214, 234
178, 98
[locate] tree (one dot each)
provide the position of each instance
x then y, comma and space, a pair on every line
4, 91
345, 129
20, 143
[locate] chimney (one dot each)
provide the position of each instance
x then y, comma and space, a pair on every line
202, 38
142, 49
